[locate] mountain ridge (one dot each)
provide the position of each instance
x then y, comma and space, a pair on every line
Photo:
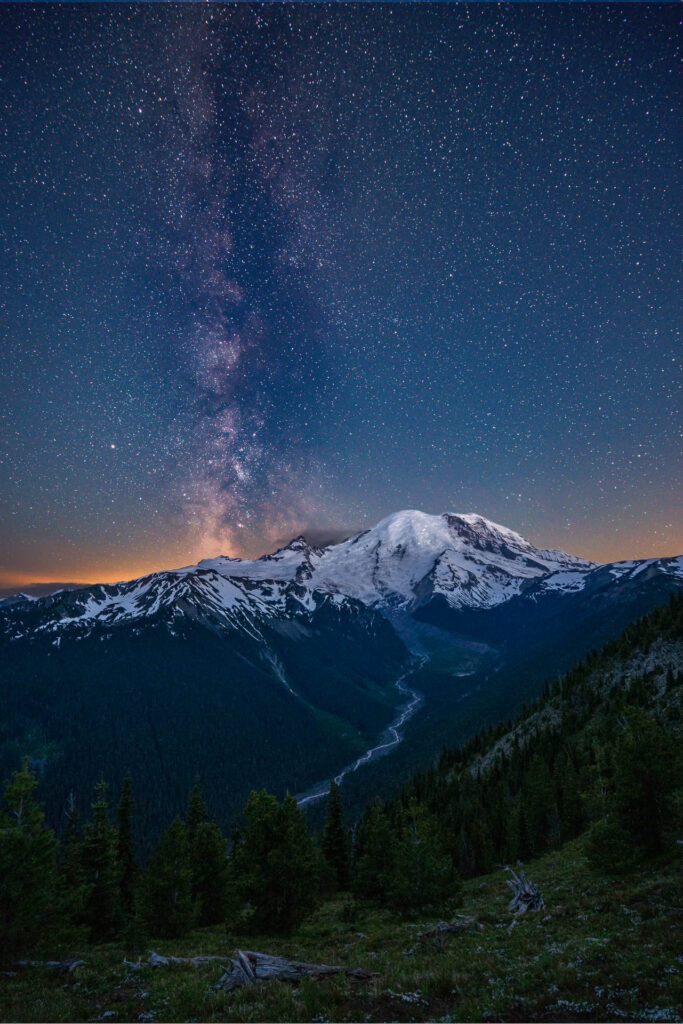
404, 562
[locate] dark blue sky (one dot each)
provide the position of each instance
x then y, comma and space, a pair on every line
272, 268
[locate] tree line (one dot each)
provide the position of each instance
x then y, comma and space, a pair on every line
265, 877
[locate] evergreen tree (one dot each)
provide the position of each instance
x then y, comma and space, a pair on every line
542, 818
609, 847
571, 816
275, 863
125, 846
294, 864
75, 886
480, 837
166, 890
196, 811
422, 874
335, 843
375, 854
28, 870
209, 863
103, 906
647, 772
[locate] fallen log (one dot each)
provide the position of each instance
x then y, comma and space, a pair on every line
460, 925
525, 895
157, 960
61, 966
247, 968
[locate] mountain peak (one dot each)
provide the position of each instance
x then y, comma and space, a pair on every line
298, 544
403, 562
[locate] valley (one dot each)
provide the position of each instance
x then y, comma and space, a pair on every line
201, 667
389, 739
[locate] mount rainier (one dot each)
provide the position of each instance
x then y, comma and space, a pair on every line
277, 671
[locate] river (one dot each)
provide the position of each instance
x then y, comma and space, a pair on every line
390, 738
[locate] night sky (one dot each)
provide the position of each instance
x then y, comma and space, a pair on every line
284, 268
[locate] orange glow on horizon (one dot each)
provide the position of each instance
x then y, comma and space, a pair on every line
98, 574
602, 547
28, 579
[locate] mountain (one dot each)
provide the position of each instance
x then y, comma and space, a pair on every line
279, 671
188, 673
407, 562
410, 557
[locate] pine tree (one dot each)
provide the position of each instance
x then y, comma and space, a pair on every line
542, 818
166, 889
103, 907
29, 899
209, 863
335, 843
570, 799
196, 811
125, 846
648, 769
375, 854
75, 886
422, 874
275, 863
609, 847
295, 869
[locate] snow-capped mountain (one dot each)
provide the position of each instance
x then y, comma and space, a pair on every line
278, 671
199, 593
404, 562
409, 557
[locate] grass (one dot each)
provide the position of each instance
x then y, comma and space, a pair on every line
603, 949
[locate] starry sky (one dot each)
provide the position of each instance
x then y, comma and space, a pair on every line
279, 268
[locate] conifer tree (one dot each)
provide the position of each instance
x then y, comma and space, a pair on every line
209, 863
541, 814
275, 863
295, 868
75, 886
647, 771
166, 890
374, 860
196, 811
126, 846
208, 860
103, 906
335, 843
422, 874
570, 796
28, 870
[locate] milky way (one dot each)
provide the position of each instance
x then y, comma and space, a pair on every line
287, 267
251, 474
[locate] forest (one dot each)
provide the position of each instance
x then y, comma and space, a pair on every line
598, 754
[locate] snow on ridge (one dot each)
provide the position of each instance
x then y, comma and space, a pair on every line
405, 560
671, 566
567, 580
237, 602
410, 555
674, 567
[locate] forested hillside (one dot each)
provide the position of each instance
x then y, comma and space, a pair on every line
173, 695
600, 749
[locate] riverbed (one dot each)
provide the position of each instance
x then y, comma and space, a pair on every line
391, 737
